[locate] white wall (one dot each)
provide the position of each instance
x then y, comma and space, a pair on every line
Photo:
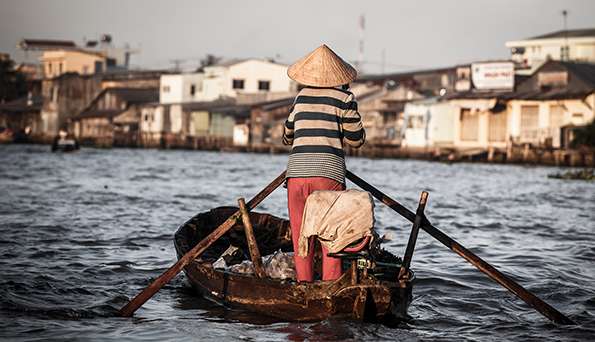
481, 108
577, 112
152, 119
175, 115
442, 123
537, 51
253, 71
437, 124
218, 80
177, 88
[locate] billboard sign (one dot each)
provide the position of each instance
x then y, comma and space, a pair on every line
493, 75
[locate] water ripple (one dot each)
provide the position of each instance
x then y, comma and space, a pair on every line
83, 232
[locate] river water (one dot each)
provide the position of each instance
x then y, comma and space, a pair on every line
82, 232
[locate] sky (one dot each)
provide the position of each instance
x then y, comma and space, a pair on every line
406, 35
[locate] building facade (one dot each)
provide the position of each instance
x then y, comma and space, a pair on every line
260, 79
114, 117
567, 45
58, 62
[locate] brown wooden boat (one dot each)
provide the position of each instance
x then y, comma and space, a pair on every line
367, 290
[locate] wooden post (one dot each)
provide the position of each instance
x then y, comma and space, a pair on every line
419, 215
196, 251
251, 240
529, 298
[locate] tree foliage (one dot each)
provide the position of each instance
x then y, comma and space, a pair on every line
208, 61
584, 136
12, 82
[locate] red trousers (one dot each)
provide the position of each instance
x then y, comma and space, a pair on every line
298, 189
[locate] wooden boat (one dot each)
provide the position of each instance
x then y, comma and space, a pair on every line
368, 289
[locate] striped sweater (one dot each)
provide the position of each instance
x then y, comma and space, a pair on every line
321, 121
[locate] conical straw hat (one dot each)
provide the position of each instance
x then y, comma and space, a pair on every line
322, 68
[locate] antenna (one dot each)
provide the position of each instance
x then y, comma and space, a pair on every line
565, 54
177, 63
360, 57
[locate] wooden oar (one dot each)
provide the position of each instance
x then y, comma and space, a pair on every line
163, 279
529, 298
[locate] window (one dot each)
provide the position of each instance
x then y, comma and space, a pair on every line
49, 68
469, 125
556, 116
238, 84
497, 127
264, 85
529, 123
192, 89
564, 53
577, 116
60, 68
98, 67
166, 89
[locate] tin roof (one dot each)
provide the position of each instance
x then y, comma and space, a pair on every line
22, 105
588, 32
45, 44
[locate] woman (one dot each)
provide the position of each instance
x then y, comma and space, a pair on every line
323, 118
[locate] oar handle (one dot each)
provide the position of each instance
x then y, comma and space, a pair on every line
129, 309
251, 241
419, 215
529, 298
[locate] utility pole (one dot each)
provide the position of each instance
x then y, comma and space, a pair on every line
383, 60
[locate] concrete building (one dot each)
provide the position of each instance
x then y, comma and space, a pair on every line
248, 76
181, 88
542, 111
58, 62
545, 109
429, 123
567, 45
259, 79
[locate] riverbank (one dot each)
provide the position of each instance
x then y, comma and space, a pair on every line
514, 154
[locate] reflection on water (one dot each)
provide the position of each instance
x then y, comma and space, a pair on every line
82, 232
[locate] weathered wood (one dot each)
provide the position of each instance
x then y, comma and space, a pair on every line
281, 299
359, 306
129, 309
419, 215
528, 297
251, 241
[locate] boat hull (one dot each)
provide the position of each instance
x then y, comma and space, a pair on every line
356, 295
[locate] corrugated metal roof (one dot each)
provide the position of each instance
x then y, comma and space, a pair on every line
21, 105
98, 114
588, 32
45, 44
136, 95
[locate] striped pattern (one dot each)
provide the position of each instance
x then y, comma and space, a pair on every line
321, 121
